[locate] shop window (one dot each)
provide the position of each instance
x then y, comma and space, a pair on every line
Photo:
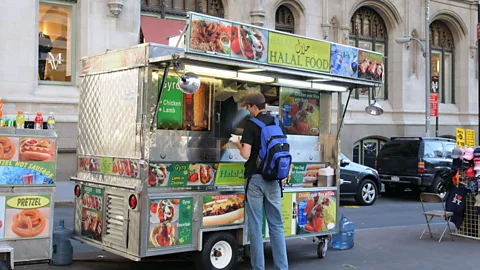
365, 151
284, 20
369, 32
442, 51
179, 8
56, 32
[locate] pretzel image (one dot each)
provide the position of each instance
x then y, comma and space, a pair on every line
28, 223
7, 148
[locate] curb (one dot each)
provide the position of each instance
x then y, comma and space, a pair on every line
63, 204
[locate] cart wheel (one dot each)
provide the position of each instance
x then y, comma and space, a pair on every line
322, 249
220, 251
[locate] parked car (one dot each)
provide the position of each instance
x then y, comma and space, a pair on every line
415, 163
362, 182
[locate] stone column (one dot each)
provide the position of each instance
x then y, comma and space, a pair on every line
257, 15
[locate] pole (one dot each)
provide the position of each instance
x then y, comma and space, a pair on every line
427, 68
478, 68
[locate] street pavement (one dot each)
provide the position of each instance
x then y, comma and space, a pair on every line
386, 237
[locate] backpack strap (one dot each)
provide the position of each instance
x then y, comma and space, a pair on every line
259, 123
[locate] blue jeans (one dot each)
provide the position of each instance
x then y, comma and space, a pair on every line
266, 194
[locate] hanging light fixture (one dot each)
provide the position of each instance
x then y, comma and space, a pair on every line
374, 108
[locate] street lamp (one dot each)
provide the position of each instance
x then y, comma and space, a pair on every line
426, 54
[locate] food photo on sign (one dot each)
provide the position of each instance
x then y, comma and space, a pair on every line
370, 66
89, 164
249, 43
210, 35
9, 148
158, 175
223, 210
92, 224
316, 212
170, 222
27, 216
125, 167
201, 174
37, 149
300, 111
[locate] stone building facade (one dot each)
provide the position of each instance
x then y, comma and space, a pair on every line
40, 73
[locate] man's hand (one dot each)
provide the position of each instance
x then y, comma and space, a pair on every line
239, 145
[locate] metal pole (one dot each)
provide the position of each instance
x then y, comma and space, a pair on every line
427, 68
478, 68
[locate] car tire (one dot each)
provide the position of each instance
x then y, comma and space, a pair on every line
438, 187
394, 190
367, 192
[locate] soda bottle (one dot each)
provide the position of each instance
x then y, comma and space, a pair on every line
1, 107
38, 121
25, 115
51, 121
20, 120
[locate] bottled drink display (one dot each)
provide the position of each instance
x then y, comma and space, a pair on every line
51, 121
344, 239
38, 121
20, 120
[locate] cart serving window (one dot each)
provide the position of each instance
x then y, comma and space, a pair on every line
176, 182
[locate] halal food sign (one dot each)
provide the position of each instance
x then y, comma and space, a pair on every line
298, 52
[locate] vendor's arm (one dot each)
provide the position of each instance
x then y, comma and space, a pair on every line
245, 144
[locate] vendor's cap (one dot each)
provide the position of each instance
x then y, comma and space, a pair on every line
476, 152
476, 161
468, 154
253, 98
457, 152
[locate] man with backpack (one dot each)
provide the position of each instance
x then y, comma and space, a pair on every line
264, 146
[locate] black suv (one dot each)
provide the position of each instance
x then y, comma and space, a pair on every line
414, 162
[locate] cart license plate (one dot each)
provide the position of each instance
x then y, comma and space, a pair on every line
395, 178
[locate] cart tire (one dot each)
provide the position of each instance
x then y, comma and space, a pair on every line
220, 252
3, 265
322, 249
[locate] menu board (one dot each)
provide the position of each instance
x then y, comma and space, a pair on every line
25, 216
370, 66
223, 210
300, 112
170, 112
170, 222
27, 161
230, 174
227, 39
92, 212
124, 167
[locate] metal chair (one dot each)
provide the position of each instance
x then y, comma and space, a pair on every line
429, 215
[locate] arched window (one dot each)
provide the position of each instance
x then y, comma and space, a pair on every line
368, 31
366, 150
179, 8
442, 47
284, 20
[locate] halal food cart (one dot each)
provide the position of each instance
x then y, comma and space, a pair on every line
27, 185
158, 168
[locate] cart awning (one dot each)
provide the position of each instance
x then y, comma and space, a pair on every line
156, 30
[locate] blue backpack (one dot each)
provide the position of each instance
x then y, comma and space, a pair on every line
274, 159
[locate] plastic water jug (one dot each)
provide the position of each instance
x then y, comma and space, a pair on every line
345, 237
62, 247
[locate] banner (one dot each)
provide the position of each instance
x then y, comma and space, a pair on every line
222, 38
316, 212
221, 210
124, 167
300, 111
170, 222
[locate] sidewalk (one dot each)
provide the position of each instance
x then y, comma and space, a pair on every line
375, 248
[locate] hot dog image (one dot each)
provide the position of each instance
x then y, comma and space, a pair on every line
311, 174
33, 149
223, 210
7, 148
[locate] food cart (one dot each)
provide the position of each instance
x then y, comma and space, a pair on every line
158, 168
27, 185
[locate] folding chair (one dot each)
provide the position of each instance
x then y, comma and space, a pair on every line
429, 215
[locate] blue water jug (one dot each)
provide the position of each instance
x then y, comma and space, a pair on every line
345, 237
61, 245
